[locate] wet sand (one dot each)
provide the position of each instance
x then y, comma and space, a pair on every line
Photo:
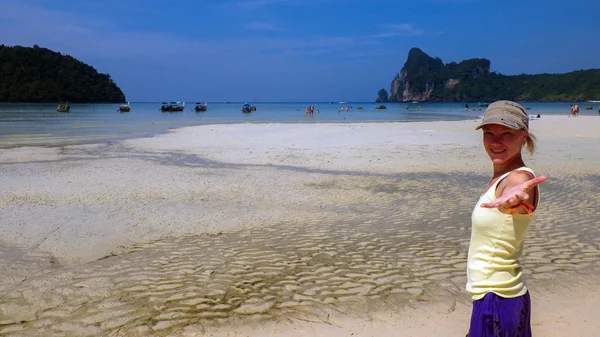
272, 230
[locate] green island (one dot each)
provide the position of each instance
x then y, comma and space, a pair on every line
424, 78
40, 75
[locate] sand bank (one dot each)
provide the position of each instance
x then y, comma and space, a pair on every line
228, 223
554, 314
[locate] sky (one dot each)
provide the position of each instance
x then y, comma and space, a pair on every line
298, 50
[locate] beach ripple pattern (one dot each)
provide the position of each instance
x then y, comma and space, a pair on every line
406, 243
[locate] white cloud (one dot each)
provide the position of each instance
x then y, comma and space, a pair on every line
89, 37
82, 36
402, 29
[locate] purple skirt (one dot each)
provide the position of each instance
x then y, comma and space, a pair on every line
495, 316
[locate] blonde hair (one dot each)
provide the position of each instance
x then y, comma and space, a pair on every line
530, 143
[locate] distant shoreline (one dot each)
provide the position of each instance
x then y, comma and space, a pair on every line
475, 103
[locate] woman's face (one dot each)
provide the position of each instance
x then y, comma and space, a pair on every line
502, 143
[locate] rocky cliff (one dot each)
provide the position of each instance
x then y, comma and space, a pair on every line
421, 75
424, 78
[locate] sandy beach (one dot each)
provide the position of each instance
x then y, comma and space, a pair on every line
347, 229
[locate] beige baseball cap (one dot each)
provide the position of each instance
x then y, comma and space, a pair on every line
508, 113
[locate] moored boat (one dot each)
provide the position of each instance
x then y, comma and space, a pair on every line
125, 107
177, 106
172, 106
63, 107
247, 108
201, 107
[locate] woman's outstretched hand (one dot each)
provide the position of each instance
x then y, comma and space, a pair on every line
515, 195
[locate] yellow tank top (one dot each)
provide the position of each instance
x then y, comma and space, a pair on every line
496, 245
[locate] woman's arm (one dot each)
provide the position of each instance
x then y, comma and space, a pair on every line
515, 191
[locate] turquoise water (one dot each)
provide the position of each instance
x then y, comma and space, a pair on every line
40, 124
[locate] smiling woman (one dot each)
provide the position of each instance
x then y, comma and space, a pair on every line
502, 143
509, 119
500, 220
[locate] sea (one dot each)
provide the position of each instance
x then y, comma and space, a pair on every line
41, 125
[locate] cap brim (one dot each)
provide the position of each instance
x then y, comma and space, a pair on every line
497, 120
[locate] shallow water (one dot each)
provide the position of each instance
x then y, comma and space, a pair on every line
389, 250
40, 124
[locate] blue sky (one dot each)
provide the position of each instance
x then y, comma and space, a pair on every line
298, 50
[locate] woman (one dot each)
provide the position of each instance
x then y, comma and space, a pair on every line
501, 303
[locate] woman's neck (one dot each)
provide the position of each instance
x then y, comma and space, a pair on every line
513, 164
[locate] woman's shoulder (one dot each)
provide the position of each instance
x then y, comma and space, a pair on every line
520, 175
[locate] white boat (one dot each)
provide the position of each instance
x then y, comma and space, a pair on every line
594, 101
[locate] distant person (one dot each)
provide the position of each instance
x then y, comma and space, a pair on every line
467, 107
599, 108
500, 219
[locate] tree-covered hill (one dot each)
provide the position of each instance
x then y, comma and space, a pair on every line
425, 78
42, 75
